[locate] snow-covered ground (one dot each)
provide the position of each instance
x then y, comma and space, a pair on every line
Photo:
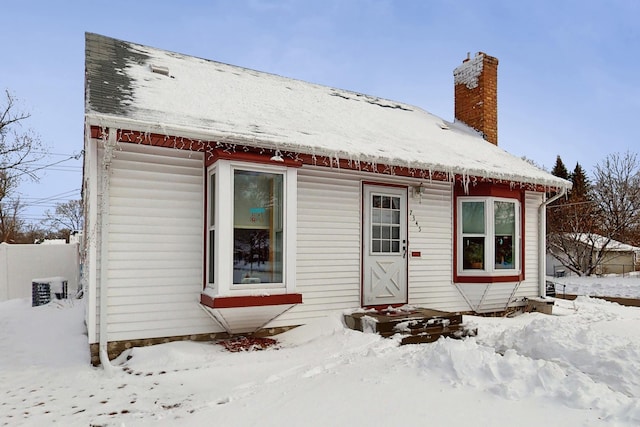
578, 367
610, 286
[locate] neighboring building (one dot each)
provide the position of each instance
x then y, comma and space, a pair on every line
269, 201
617, 257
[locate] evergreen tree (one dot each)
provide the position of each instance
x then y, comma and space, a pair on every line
560, 170
581, 190
556, 212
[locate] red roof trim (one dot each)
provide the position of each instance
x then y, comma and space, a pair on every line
215, 150
250, 300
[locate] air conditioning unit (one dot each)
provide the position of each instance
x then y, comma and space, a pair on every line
46, 289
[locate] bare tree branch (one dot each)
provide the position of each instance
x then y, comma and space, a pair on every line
68, 216
582, 228
18, 147
617, 194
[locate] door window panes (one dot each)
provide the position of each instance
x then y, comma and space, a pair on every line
385, 224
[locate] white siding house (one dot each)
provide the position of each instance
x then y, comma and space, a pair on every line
227, 200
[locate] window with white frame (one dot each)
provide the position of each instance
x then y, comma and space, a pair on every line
251, 226
488, 236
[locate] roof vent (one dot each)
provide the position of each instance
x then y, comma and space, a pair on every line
443, 126
159, 69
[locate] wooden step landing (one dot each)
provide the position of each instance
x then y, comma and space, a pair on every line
415, 325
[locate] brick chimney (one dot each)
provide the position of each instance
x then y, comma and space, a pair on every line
476, 94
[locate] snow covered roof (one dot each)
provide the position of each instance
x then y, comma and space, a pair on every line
152, 90
599, 241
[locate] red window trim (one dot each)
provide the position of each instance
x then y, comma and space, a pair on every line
383, 184
488, 190
252, 158
249, 300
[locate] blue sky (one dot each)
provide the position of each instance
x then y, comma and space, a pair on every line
567, 77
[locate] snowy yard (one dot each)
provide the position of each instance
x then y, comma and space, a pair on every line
578, 367
611, 286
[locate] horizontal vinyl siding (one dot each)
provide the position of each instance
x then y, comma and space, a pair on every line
491, 297
155, 243
328, 244
431, 234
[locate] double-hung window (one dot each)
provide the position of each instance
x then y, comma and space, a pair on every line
489, 238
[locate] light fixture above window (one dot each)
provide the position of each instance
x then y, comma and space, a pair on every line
277, 157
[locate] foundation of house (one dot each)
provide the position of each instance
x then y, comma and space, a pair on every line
116, 348
539, 305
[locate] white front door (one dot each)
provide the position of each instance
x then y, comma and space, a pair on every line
384, 236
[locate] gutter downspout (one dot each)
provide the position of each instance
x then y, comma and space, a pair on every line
109, 144
542, 239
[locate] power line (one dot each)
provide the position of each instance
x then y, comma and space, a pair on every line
48, 165
588, 202
71, 169
50, 201
31, 171
54, 197
59, 154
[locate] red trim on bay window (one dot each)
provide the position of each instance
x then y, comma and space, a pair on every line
488, 190
254, 158
249, 300
488, 279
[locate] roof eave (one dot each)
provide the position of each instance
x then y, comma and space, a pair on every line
125, 123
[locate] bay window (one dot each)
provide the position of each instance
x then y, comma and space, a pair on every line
251, 228
488, 236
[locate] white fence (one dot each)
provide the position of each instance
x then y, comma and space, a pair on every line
20, 264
